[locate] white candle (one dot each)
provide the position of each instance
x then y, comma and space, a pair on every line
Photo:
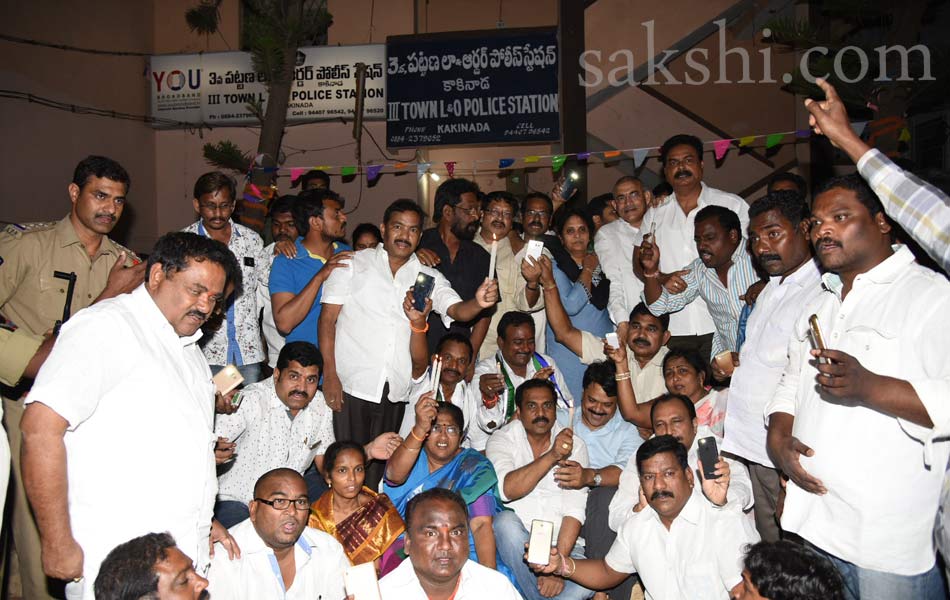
494, 256
436, 375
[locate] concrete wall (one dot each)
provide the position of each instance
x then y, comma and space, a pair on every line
45, 144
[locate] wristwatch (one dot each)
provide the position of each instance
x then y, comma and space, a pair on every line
597, 479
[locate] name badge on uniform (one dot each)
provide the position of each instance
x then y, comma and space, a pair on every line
248, 261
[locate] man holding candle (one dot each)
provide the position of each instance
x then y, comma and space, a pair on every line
498, 213
461, 261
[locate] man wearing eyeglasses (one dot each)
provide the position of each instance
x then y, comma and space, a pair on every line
614, 244
464, 263
237, 340
672, 225
280, 556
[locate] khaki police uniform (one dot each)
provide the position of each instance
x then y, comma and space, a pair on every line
31, 301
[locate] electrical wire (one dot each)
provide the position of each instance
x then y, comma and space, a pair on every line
18, 40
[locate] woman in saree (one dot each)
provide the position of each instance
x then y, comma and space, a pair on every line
685, 373
365, 523
432, 456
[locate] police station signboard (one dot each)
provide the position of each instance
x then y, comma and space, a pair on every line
215, 88
473, 87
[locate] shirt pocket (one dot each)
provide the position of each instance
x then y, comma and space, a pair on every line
52, 298
701, 582
874, 344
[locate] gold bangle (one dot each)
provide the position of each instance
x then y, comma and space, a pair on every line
410, 448
652, 275
573, 569
622, 376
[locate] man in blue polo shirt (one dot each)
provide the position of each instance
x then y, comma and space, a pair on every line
295, 283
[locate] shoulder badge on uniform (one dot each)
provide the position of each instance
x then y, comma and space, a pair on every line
17, 230
129, 255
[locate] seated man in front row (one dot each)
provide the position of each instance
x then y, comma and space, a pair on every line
529, 455
675, 415
438, 565
280, 556
498, 377
682, 547
149, 566
282, 421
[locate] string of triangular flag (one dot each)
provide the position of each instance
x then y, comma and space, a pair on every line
720, 147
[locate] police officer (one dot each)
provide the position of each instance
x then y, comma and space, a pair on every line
32, 299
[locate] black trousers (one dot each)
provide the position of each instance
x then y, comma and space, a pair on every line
361, 421
599, 537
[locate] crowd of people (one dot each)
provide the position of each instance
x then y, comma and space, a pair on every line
708, 397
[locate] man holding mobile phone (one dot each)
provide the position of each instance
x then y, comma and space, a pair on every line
871, 407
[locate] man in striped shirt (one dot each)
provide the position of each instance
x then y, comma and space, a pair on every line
722, 273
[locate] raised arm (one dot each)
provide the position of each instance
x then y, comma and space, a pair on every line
564, 331
419, 326
404, 458
485, 297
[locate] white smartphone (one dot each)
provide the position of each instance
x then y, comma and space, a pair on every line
539, 544
361, 583
227, 379
612, 340
534, 249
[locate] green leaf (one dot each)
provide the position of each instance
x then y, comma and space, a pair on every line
227, 155
205, 18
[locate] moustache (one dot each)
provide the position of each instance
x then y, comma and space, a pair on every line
300, 393
498, 224
198, 314
641, 341
823, 241
453, 371
106, 216
661, 494
283, 237
406, 242
599, 414
683, 174
539, 420
763, 258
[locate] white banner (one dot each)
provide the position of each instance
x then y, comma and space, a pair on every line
215, 88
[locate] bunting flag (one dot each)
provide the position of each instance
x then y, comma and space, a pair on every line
296, 172
859, 127
720, 147
904, 136
773, 139
639, 155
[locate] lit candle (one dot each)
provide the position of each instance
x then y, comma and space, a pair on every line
436, 375
494, 256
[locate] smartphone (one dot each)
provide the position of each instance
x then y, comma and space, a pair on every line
227, 379
709, 455
361, 583
534, 249
612, 340
421, 290
236, 399
539, 544
570, 185
816, 339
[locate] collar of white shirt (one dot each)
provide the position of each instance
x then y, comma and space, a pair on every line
157, 319
886, 271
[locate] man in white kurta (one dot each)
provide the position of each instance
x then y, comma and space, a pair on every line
126, 396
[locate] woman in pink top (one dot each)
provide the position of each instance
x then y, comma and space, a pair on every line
686, 372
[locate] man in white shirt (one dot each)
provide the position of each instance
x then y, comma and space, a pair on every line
498, 212
867, 404
282, 421
280, 556
527, 455
614, 244
778, 236
499, 376
364, 332
682, 157
675, 415
454, 351
237, 337
682, 547
78, 433
154, 567
438, 565
284, 232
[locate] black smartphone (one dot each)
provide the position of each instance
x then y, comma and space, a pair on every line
569, 186
421, 290
709, 456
